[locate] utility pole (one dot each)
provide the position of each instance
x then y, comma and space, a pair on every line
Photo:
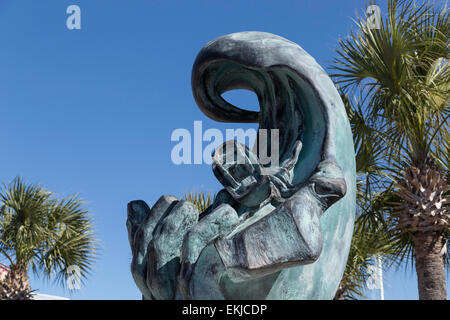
380, 279
375, 279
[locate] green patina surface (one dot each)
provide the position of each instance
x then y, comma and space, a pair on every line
273, 232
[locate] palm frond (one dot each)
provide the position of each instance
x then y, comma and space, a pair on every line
200, 199
44, 233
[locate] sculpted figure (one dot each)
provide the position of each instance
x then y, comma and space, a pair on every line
273, 232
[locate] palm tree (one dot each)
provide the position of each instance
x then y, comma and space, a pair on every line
371, 236
50, 236
368, 245
400, 73
201, 200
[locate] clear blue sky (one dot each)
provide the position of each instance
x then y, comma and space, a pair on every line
91, 111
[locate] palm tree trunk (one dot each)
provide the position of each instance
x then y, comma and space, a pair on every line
339, 295
16, 285
430, 265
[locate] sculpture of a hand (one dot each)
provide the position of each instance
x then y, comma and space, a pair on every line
158, 237
266, 236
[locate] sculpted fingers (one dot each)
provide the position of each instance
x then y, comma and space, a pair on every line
164, 249
140, 224
220, 222
136, 213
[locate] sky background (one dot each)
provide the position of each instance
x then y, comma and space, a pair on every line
91, 111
